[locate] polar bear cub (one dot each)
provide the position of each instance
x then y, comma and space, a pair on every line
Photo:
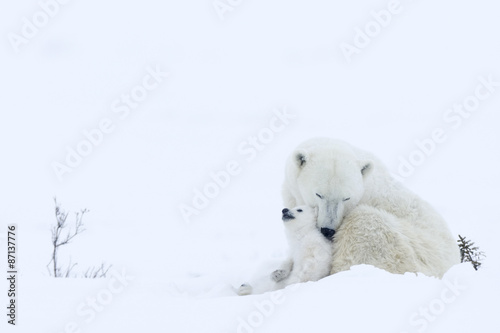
310, 257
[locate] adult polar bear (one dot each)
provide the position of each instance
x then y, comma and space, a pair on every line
375, 219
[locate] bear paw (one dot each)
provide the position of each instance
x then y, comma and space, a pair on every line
279, 275
244, 289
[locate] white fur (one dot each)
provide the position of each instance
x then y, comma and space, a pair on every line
377, 220
310, 257
310, 252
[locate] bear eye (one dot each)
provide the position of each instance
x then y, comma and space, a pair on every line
319, 196
299, 210
347, 199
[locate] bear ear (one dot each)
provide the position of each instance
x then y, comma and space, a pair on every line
300, 158
366, 167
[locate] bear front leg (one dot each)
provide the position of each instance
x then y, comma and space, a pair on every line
283, 271
304, 273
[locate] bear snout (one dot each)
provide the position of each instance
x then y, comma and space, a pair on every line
328, 233
287, 215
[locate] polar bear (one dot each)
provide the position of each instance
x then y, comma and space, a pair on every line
310, 254
373, 218
368, 235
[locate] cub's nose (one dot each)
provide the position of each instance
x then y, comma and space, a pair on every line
285, 210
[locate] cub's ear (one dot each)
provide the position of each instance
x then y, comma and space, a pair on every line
300, 158
366, 167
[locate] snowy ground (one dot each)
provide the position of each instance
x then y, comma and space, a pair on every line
229, 74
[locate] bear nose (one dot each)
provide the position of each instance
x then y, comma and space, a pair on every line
285, 210
328, 233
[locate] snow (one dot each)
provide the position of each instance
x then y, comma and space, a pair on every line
227, 81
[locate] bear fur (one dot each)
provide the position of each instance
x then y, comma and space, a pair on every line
373, 218
310, 256
310, 253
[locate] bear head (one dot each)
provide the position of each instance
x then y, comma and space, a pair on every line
301, 218
327, 174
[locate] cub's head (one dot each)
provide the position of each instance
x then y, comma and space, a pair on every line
300, 217
327, 174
